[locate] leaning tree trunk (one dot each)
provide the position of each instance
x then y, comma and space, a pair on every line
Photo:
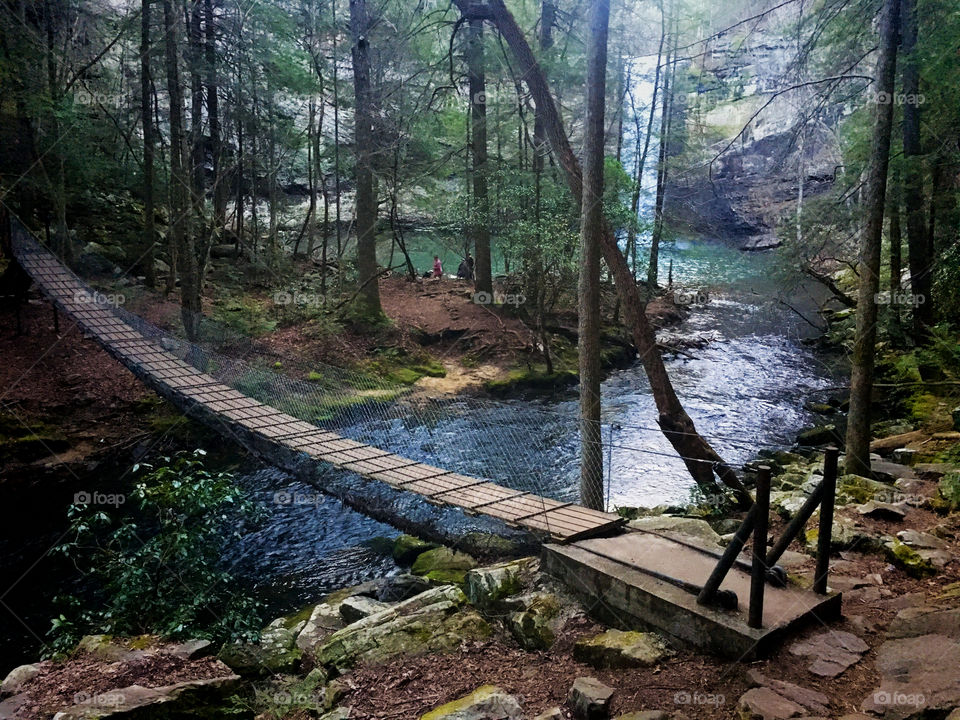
591, 229
861, 376
697, 454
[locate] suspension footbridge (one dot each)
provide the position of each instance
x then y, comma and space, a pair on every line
632, 579
169, 367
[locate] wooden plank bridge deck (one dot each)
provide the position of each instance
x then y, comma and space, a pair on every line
189, 387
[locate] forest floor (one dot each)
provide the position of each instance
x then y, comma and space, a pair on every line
436, 333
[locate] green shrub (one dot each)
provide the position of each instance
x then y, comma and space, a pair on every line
151, 560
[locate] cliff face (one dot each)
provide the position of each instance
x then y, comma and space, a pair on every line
744, 144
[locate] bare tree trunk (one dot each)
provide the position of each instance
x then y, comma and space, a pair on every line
642, 158
699, 457
667, 108
480, 218
861, 376
896, 238
213, 119
180, 230
363, 145
149, 231
917, 245
591, 229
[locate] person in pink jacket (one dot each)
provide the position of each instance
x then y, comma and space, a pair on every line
437, 267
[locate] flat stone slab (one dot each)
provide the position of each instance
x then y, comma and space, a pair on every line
883, 510
832, 652
613, 576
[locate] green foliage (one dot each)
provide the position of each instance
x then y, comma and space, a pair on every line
942, 350
152, 562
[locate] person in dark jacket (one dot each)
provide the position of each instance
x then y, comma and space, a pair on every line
465, 271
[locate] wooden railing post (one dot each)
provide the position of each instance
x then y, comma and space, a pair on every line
824, 535
758, 574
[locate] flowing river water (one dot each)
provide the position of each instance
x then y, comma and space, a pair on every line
746, 390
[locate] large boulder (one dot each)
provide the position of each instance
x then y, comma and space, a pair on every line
16, 678
857, 490
324, 620
443, 565
485, 703
621, 649
434, 621
534, 627
844, 534
487, 588
276, 652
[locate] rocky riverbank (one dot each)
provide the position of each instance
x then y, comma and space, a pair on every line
445, 639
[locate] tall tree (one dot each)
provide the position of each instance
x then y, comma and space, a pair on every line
146, 113
918, 250
364, 138
591, 232
480, 217
213, 117
861, 377
181, 233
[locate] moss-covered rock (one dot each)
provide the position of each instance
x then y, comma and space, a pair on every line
486, 588
619, 649
407, 548
534, 627
443, 565
857, 490
905, 557
844, 534
276, 652
949, 487
819, 435
434, 621
485, 702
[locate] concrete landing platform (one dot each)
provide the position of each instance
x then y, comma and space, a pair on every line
607, 574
